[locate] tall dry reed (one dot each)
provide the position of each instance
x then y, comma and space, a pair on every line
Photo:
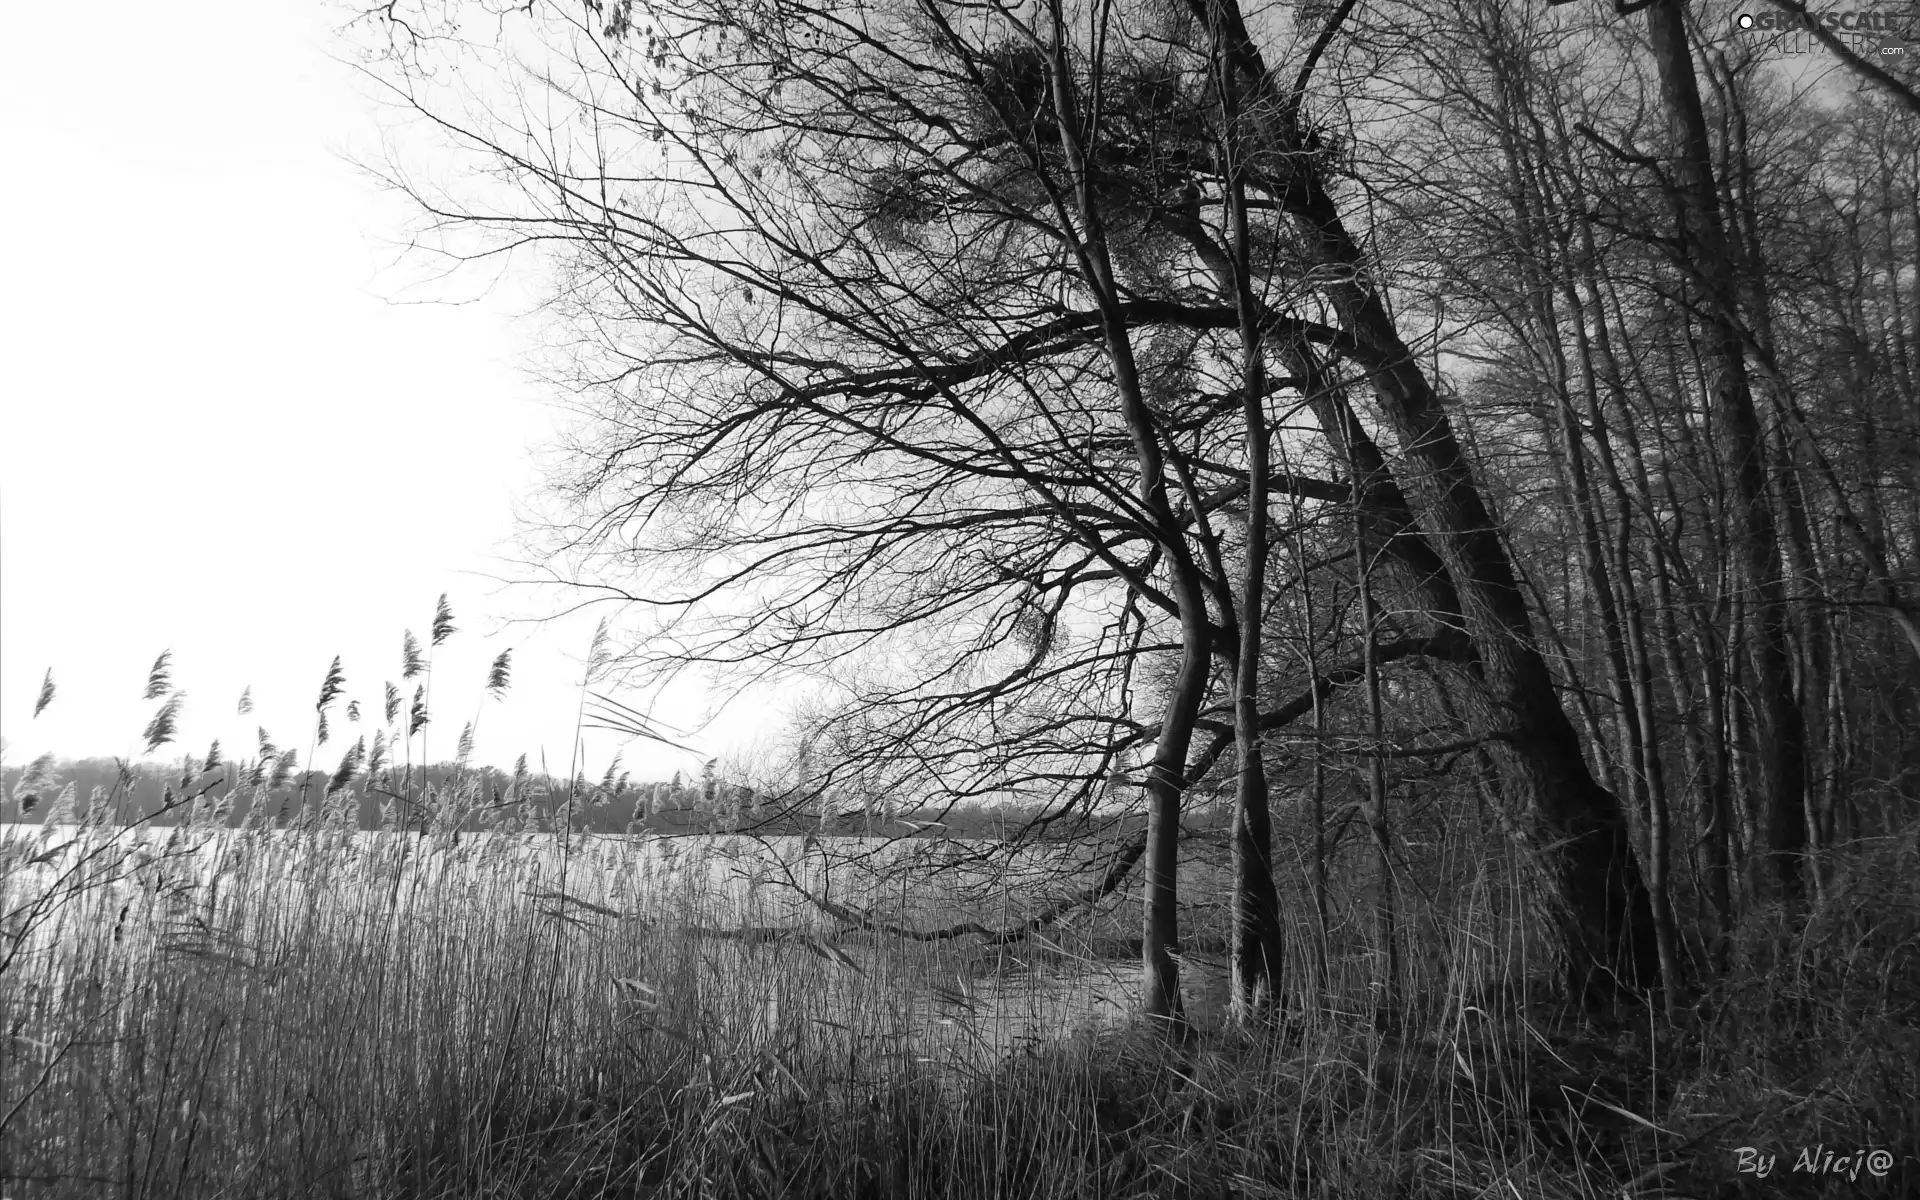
300, 1007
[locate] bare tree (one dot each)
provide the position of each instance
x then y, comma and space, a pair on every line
943, 356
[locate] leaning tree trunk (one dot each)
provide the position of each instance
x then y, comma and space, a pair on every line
1566, 816
1572, 825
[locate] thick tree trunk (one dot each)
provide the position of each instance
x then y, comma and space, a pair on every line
1568, 816
1564, 816
1781, 746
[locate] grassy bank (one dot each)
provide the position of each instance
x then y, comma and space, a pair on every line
325, 1013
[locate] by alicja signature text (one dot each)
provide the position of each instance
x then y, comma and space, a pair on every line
1814, 1160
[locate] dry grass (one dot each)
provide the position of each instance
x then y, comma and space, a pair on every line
317, 1011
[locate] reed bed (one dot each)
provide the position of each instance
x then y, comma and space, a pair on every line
329, 1012
303, 1008
335, 1012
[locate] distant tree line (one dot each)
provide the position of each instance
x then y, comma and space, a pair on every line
93, 788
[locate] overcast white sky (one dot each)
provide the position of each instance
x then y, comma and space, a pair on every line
222, 435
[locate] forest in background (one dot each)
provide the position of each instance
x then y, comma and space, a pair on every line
499, 801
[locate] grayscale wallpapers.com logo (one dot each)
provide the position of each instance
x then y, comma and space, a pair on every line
1868, 32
